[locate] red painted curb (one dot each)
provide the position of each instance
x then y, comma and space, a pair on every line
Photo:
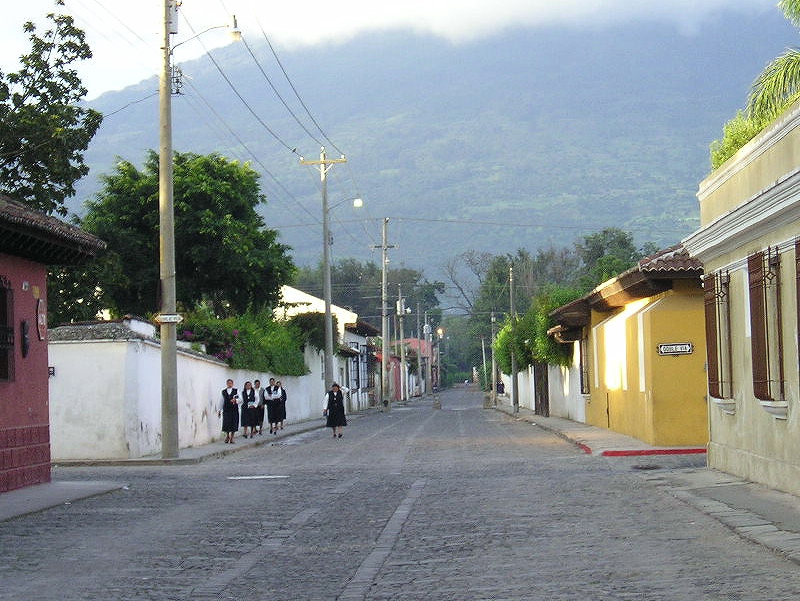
584, 448
639, 452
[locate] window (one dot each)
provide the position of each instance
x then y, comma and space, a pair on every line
6, 331
716, 288
583, 352
363, 367
766, 345
355, 373
797, 285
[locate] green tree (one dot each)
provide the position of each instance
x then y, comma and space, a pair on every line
225, 255
357, 285
605, 255
43, 133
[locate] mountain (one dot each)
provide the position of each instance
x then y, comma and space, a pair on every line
530, 138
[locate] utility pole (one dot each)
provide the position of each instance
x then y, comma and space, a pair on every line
168, 317
385, 246
428, 368
514, 379
325, 164
419, 353
401, 314
494, 362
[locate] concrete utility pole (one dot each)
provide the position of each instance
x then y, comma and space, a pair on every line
168, 317
385, 246
401, 313
494, 362
419, 353
514, 379
428, 368
325, 164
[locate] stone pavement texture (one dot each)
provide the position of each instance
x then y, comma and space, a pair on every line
416, 503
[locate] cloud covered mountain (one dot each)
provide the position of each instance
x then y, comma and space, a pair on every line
526, 139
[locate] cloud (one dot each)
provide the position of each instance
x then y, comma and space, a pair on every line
125, 36
465, 20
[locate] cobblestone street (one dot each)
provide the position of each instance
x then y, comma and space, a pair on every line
417, 503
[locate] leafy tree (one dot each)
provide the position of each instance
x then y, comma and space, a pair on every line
544, 348
735, 133
357, 285
605, 255
224, 253
43, 133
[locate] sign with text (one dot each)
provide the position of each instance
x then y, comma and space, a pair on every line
676, 348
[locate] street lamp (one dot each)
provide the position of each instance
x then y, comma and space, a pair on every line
168, 317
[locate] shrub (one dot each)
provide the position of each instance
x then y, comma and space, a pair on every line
250, 341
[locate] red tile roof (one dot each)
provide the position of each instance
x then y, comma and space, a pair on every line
34, 235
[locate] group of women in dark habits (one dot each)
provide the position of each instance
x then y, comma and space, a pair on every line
254, 403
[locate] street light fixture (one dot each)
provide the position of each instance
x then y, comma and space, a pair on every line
168, 317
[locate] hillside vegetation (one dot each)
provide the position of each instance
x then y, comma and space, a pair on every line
528, 139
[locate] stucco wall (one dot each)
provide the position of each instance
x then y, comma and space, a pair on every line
750, 203
106, 398
564, 389
635, 391
24, 435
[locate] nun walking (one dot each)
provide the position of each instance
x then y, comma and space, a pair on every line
229, 411
334, 410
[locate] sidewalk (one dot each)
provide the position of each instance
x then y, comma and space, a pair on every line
752, 511
594, 440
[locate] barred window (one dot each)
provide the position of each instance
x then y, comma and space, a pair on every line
766, 344
355, 372
716, 289
6, 331
583, 352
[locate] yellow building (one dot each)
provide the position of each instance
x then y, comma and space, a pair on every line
748, 242
641, 337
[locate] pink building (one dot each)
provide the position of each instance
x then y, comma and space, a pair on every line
29, 242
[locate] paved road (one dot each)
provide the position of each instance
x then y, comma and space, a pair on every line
458, 503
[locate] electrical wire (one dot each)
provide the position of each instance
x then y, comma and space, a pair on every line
252, 154
238, 94
130, 104
296, 93
278, 94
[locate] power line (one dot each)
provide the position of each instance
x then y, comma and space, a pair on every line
278, 94
252, 154
238, 94
296, 93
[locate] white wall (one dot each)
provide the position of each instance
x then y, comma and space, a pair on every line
105, 397
564, 390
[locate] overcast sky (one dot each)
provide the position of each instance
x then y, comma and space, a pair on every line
125, 38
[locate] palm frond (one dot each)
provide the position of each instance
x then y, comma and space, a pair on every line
791, 8
776, 87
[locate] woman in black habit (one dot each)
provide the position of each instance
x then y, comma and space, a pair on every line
249, 411
334, 410
229, 411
